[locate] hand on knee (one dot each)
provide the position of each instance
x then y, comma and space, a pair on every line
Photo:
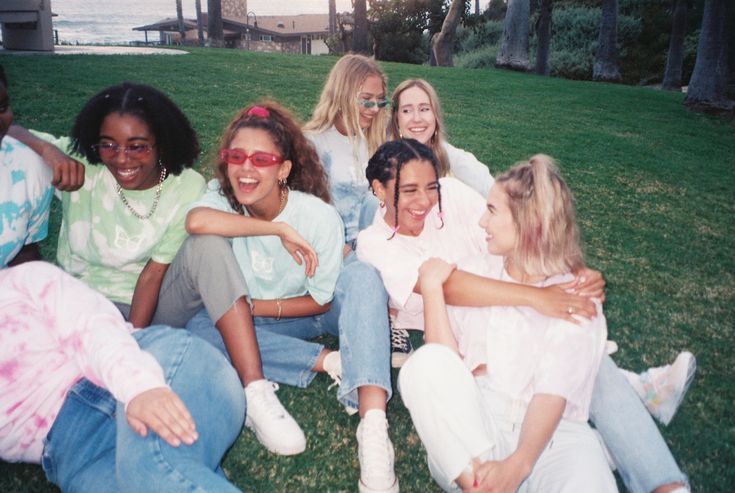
162, 411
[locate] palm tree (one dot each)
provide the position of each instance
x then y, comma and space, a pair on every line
200, 23
605, 67
675, 59
543, 35
514, 48
214, 26
360, 32
180, 18
708, 86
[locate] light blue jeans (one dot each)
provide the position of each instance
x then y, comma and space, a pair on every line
358, 316
640, 453
91, 447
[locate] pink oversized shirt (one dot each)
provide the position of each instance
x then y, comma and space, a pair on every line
54, 330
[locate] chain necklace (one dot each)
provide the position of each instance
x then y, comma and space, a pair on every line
283, 201
159, 187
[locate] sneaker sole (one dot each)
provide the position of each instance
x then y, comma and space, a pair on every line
274, 450
364, 489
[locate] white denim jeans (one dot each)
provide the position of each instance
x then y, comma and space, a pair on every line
458, 418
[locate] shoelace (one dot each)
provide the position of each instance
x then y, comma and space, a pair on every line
335, 373
399, 339
269, 401
375, 450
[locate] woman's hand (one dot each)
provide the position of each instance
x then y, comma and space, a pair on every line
498, 476
434, 272
299, 248
68, 172
555, 301
162, 411
587, 282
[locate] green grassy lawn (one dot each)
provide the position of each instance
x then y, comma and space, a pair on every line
655, 188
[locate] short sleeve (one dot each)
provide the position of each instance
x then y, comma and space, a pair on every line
212, 199
328, 243
571, 359
189, 188
398, 268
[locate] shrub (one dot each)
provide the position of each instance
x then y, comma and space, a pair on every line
483, 57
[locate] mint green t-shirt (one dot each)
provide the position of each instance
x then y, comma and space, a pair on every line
102, 243
269, 270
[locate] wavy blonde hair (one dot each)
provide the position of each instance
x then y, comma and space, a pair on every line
338, 101
542, 207
439, 138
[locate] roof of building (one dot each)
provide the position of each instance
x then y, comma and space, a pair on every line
283, 25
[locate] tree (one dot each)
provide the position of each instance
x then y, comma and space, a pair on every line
214, 27
514, 47
442, 43
675, 59
332, 17
397, 28
543, 35
708, 86
200, 23
605, 67
360, 32
180, 19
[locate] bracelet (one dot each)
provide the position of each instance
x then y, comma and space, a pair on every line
280, 308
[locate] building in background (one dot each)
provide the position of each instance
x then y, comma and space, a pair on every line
243, 29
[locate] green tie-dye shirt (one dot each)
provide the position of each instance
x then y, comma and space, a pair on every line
102, 243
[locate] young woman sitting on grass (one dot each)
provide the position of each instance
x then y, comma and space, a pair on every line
123, 228
102, 406
424, 216
505, 382
268, 175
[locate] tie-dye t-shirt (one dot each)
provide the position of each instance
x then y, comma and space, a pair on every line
346, 169
104, 244
56, 330
25, 196
269, 270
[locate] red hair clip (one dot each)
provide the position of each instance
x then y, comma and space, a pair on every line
259, 111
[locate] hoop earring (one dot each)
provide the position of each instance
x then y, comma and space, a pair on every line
381, 204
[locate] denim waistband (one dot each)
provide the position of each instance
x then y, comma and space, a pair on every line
93, 396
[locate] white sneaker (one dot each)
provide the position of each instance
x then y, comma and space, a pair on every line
266, 416
333, 366
376, 454
662, 389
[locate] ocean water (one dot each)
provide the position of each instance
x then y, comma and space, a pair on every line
112, 21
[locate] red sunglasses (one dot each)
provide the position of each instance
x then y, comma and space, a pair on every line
258, 159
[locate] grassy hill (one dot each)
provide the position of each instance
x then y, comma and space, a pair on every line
655, 188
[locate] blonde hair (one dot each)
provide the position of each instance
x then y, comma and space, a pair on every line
338, 101
542, 207
437, 140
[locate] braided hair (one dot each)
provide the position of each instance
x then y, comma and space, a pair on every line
389, 159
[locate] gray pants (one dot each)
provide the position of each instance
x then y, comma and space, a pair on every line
203, 273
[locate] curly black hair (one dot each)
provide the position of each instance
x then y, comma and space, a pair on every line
388, 160
176, 140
